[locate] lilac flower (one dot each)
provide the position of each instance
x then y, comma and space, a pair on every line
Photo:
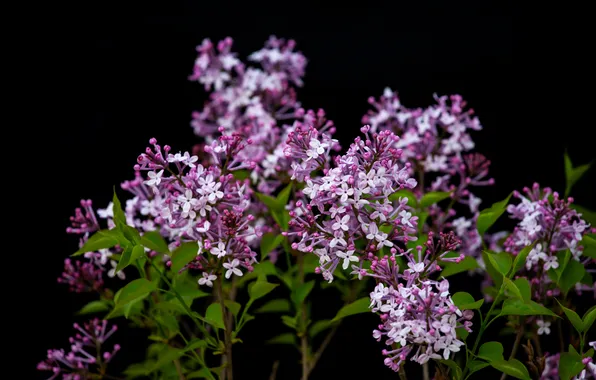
543, 327
86, 356
371, 170
82, 276
551, 226
421, 319
436, 143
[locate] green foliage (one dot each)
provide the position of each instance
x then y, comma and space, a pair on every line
269, 242
524, 288
155, 242
357, 307
491, 351
280, 305
468, 263
465, 301
587, 215
260, 288
214, 316
319, 326
130, 296
514, 306
130, 233
573, 273
520, 259
433, 197
570, 365
286, 338
512, 288
512, 367
93, 307
412, 201
489, 216
102, 239
572, 175
476, 365
589, 243
575, 320
455, 370
588, 319
500, 261
183, 255
299, 293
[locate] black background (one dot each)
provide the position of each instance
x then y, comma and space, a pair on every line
119, 77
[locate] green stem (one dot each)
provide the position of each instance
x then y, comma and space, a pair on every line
485, 323
179, 297
228, 372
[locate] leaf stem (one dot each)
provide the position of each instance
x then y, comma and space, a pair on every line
226, 359
518, 338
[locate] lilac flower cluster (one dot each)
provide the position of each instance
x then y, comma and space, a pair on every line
419, 318
436, 142
549, 224
87, 355
258, 104
347, 218
205, 205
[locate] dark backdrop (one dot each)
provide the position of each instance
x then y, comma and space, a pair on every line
120, 71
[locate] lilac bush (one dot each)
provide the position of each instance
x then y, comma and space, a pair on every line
267, 197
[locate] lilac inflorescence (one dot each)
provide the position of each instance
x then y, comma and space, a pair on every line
87, 353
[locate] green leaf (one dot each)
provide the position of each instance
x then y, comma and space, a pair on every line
169, 322
138, 251
465, 301
269, 242
137, 369
357, 307
183, 255
563, 258
282, 218
302, 291
494, 274
94, 307
286, 338
512, 288
455, 371
524, 288
433, 197
203, 373
589, 243
101, 240
461, 333
491, 351
318, 327
166, 356
135, 290
573, 273
489, 216
289, 321
519, 307
125, 259
272, 203
130, 233
477, 365
468, 263
412, 201
572, 175
260, 289
234, 307
214, 316
195, 344
588, 319
241, 174
284, 195
275, 306
520, 259
512, 367
500, 261
155, 242
575, 320
570, 365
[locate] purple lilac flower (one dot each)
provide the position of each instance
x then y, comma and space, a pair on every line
436, 142
549, 224
420, 319
551, 368
258, 104
87, 355
204, 205
82, 276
